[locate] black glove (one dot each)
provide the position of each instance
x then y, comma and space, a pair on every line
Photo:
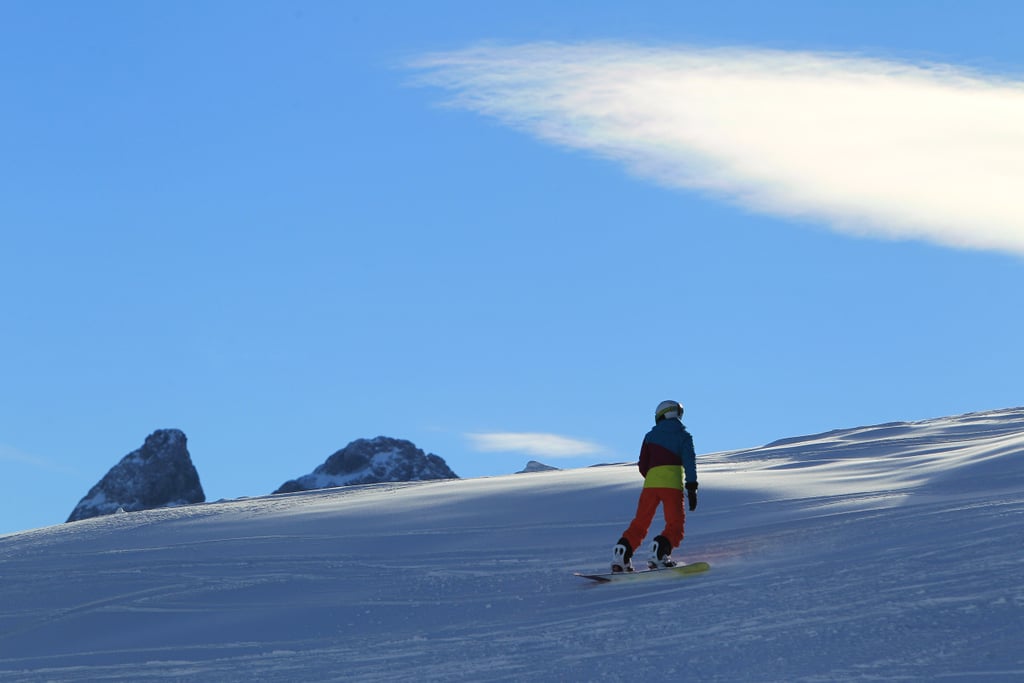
691, 494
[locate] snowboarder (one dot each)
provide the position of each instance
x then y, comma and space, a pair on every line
666, 456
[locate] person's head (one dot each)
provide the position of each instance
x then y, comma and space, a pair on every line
668, 410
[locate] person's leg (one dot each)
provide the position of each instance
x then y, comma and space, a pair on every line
675, 516
645, 509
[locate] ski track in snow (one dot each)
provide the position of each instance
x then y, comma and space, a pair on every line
884, 553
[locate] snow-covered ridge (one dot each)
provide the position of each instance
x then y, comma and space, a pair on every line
988, 424
885, 553
943, 454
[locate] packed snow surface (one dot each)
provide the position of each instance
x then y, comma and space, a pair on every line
891, 552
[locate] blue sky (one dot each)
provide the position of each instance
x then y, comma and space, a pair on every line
502, 231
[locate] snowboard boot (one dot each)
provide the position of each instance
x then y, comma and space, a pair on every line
661, 554
622, 557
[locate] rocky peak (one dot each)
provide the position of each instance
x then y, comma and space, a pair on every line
160, 474
535, 466
371, 461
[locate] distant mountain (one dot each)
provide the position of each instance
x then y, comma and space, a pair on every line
371, 461
534, 466
160, 474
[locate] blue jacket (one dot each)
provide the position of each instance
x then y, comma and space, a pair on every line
666, 455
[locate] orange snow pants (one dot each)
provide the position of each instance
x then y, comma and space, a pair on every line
671, 501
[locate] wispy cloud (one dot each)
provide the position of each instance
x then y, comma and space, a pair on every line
541, 445
13, 455
867, 146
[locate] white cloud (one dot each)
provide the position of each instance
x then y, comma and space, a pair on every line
871, 147
543, 445
13, 455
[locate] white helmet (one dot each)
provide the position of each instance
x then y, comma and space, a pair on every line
668, 409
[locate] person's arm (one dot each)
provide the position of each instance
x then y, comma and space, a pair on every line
645, 460
690, 469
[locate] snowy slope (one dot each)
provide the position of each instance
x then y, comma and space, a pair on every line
883, 553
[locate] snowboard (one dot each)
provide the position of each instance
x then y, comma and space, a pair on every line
678, 571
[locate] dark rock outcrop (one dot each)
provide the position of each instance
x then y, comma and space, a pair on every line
372, 461
160, 474
534, 466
